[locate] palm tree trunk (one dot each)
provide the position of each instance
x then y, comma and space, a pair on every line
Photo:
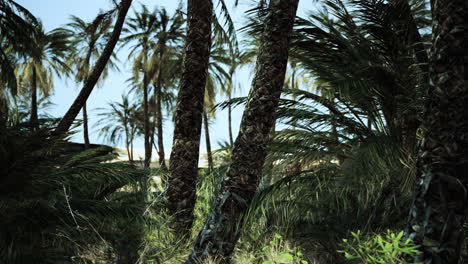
85, 126
219, 235
231, 140
82, 97
439, 208
85, 110
3, 113
127, 140
159, 126
146, 124
159, 116
293, 87
127, 147
147, 137
208, 142
268, 169
183, 165
131, 149
34, 120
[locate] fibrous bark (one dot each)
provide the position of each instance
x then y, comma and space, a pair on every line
439, 207
219, 235
183, 165
88, 87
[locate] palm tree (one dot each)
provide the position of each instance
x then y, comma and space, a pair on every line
98, 68
89, 40
16, 30
17, 26
141, 29
36, 72
367, 58
184, 156
439, 209
219, 235
40, 169
120, 123
168, 35
219, 61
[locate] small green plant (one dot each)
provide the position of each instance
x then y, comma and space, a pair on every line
280, 252
388, 248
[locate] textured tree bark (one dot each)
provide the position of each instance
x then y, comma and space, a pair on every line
82, 97
34, 120
85, 127
183, 165
219, 235
208, 142
439, 208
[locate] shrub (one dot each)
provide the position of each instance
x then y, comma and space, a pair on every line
389, 248
280, 252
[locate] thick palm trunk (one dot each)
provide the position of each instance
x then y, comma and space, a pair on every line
219, 235
207, 141
183, 165
439, 208
85, 126
82, 97
34, 120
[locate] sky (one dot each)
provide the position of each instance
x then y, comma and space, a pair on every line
56, 13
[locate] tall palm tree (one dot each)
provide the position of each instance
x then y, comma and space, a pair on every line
120, 122
168, 35
217, 76
183, 166
439, 209
219, 235
98, 68
35, 73
141, 28
89, 40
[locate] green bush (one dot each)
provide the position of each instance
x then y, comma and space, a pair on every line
389, 248
280, 252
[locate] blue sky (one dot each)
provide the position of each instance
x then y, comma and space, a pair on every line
56, 13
